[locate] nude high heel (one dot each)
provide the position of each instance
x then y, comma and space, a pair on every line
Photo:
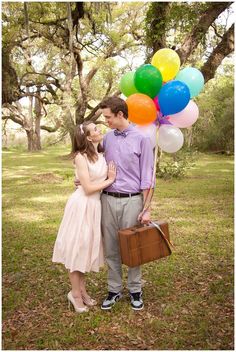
89, 301
71, 300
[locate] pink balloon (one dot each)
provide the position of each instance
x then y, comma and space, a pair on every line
187, 117
149, 131
155, 100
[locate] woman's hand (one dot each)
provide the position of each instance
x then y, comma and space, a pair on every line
111, 173
77, 182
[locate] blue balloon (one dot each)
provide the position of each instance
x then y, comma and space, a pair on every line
173, 97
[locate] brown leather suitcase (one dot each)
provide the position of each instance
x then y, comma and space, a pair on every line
142, 244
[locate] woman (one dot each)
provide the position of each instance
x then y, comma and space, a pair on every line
79, 244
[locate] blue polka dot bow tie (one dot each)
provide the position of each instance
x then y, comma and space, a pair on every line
118, 133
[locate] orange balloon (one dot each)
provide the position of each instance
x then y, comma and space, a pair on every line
141, 109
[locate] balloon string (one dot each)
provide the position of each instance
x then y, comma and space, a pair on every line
151, 189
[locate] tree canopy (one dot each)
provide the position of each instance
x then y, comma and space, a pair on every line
66, 57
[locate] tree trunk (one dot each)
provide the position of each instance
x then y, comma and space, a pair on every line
37, 136
156, 30
29, 134
33, 141
223, 49
10, 86
4, 140
38, 114
32, 125
189, 137
33, 135
71, 133
66, 114
4, 135
198, 32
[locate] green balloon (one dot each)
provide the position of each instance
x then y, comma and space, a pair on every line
127, 86
148, 80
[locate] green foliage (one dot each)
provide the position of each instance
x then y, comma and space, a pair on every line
169, 23
214, 130
12, 22
109, 28
177, 165
101, 37
109, 74
110, 38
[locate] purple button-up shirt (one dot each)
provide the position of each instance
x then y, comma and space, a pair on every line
133, 156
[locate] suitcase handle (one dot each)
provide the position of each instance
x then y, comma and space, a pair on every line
163, 236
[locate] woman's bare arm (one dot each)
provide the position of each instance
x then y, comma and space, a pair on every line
83, 176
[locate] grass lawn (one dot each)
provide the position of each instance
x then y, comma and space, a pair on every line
188, 296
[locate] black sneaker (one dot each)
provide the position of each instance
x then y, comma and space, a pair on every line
136, 300
111, 299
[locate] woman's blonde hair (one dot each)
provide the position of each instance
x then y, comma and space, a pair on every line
82, 145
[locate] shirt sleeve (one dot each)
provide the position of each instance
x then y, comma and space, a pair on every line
103, 143
146, 164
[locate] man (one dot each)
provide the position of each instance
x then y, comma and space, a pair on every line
122, 202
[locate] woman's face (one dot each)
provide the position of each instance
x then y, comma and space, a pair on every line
95, 135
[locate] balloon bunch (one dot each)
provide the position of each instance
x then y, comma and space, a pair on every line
159, 94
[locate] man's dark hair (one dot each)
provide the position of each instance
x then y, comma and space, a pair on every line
116, 104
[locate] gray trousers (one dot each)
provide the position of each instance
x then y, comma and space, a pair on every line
118, 213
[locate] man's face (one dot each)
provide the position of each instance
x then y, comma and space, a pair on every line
112, 120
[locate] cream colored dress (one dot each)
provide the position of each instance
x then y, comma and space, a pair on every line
79, 242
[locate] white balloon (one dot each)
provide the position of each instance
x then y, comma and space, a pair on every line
170, 138
150, 131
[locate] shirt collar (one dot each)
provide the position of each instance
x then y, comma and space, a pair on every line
125, 132
128, 129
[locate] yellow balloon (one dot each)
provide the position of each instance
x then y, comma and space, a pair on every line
168, 63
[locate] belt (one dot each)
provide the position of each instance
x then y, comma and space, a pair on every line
121, 195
